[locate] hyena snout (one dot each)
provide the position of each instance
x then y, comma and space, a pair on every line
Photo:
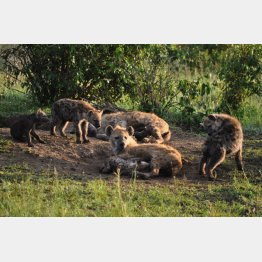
120, 145
97, 123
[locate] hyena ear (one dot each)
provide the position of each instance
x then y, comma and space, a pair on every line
212, 117
90, 113
130, 130
109, 130
38, 111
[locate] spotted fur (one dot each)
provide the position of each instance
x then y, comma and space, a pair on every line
158, 155
148, 126
77, 111
225, 137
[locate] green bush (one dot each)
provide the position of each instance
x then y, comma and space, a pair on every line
178, 82
241, 73
50, 72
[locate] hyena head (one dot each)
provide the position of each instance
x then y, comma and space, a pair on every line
40, 116
211, 123
94, 117
120, 137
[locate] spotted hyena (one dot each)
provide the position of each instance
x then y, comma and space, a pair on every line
148, 126
225, 137
125, 166
77, 111
24, 129
160, 156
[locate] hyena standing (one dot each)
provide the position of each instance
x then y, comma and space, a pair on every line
77, 111
24, 129
225, 137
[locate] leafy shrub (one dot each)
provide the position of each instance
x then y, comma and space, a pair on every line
50, 72
241, 72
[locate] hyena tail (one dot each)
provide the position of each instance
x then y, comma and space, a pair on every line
166, 136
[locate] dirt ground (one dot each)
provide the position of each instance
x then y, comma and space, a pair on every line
62, 156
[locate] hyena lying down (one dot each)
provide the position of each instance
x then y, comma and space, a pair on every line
24, 129
77, 111
125, 166
225, 137
145, 125
159, 156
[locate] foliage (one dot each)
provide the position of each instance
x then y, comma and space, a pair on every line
50, 72
241, 72
153, 80
188, 81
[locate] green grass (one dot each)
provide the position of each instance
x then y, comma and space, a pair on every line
16, 102
252, 114
5, 145
24, 193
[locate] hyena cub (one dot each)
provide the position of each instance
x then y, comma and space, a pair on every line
125, 166
77, 111
225, 137
24, 129
160, 157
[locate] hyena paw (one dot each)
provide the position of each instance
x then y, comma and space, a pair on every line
31, 145
86, 141
201, 173
146, 140
42, 141
211, 178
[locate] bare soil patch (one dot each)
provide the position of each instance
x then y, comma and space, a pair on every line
62, 156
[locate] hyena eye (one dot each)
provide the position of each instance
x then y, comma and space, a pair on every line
116, 137
125, 137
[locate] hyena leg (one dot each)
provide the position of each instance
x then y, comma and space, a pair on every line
78, 132
176, 168
216, 159
35, 135
62, 128
29, 138
158, 136
55, 122
238, 159
84, 126
202, 165
154, 168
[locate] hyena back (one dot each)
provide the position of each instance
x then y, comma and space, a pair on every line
24, 129
77, 111
225, 137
